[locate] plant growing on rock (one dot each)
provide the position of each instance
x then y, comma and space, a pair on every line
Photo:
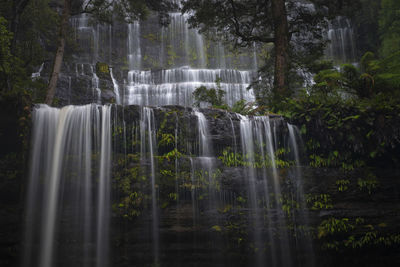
212, 96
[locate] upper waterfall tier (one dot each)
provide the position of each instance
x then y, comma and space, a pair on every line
154, 65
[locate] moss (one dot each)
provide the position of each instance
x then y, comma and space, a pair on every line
172, 56
151, 37
102, 68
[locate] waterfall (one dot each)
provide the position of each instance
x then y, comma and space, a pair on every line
148, 152
342, 46
71, 178
257, 139
255, 61
248, 150
62, 186
116, 88
204, 134
233, 134
95, 86
36, 75
200, 50
185, 65
221, 55
140, 47
104, 190
306, 242
134, 48
206, 154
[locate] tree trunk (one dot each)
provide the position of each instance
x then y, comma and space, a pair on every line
281, 33
51, 90
18, 8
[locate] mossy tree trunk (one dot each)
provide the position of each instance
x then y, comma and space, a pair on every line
51, 90
281, 33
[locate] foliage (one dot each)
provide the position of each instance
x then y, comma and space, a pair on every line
319, 202
231, 159
389, 26
372, 77
132, 193
334, 226
350, 116
342, 185
241, 107
369, 184
125, 10
345, 233
289, 205
5, 52
366, 26
212, 96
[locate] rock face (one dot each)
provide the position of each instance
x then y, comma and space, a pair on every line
219, 209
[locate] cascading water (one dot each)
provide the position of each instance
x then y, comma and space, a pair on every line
259, 151
95, 86
116, 88
205, 149
36, 75
158, 54
74, 147
63, 184
296, 175
185, 66
134, 49
342, 45
147, 147
246, 136
104, 190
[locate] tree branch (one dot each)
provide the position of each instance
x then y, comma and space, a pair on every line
239, 33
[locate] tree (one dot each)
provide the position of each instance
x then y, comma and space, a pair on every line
294, 27
51, 90
6, 57
102, 11
18, 8
24, 34
389, 26
12, 11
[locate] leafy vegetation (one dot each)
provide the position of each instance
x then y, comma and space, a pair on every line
349, 118
319, 202
213, 96
231, 159
389, 26
345, 233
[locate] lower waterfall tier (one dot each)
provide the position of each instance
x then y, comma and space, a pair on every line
93, 166
175, 186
